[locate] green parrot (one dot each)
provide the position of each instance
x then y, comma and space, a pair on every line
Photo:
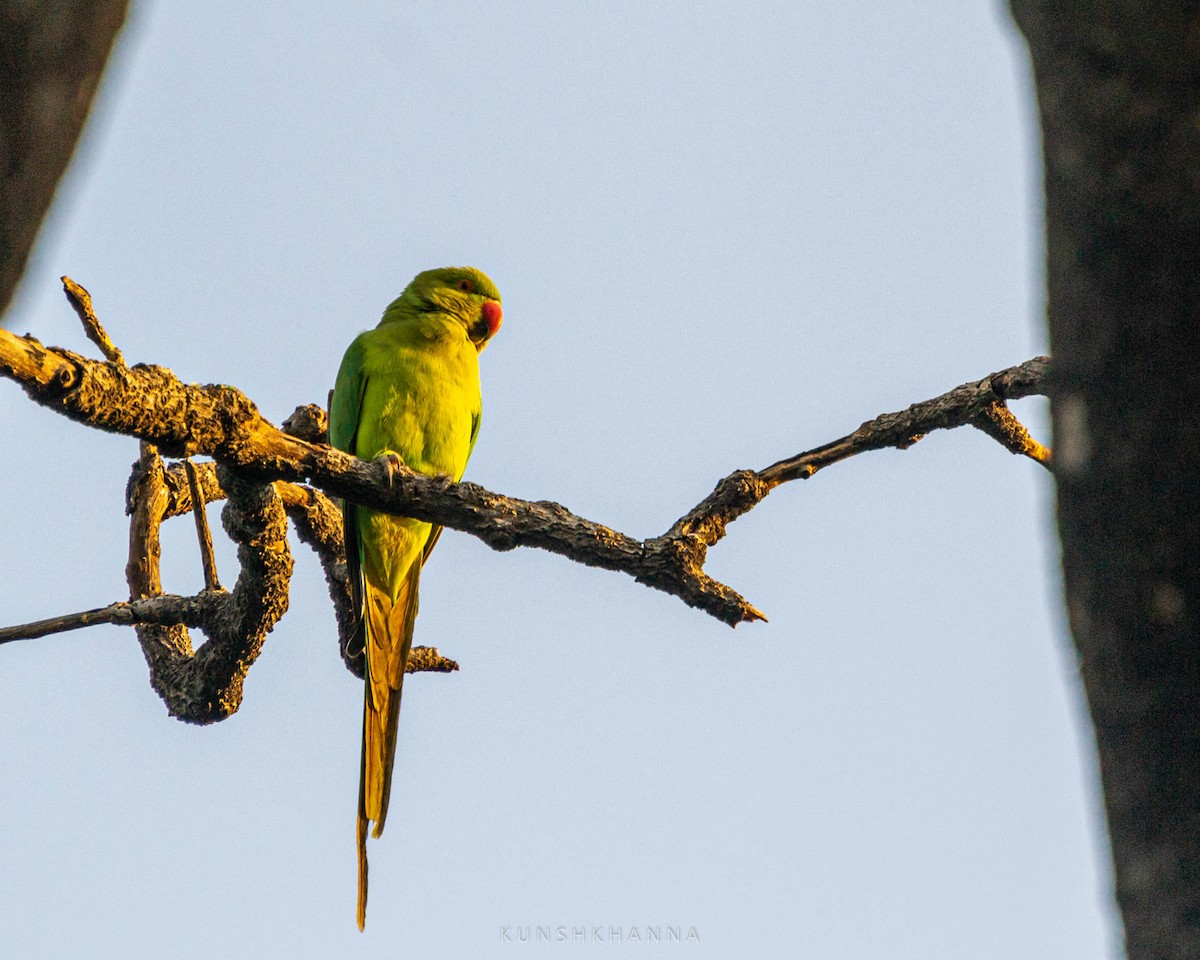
407, 391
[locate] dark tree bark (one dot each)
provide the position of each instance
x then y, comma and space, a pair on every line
1118, 86
52, 53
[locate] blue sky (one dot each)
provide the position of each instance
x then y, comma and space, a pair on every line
724, 233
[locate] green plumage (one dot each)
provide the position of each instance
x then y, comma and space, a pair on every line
409, 391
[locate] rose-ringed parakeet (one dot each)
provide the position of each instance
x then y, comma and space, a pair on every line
408, 391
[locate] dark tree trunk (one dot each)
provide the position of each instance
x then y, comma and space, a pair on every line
52, 53
1118, 86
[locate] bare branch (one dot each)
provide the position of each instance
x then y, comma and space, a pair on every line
81, 301
202, 532
206, 685
706, 523
179, 487
318, 523
161, 610
901, 430
120, 612
171, 610
428, 660
219, 421
308, 422
998, 422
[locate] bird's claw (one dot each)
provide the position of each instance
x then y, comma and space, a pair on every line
391, 464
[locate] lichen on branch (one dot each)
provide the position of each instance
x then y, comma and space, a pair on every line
267, 473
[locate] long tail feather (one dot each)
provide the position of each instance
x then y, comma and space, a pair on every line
400, 624
389, 630
360, 834
361, 831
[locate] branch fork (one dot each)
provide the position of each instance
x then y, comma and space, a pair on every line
267, 474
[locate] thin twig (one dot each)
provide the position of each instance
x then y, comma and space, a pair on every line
901, 430
81, 300
999, 423
202, 532
170, 610
113, 613
689, 538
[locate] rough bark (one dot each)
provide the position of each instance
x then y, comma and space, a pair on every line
183, 420
1118, 86
257, 467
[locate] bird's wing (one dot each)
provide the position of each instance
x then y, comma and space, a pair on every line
345, 402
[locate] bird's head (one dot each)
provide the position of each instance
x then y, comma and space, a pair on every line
463, 293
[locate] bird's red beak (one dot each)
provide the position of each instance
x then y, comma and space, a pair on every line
492, 315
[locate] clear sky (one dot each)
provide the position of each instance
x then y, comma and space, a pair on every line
724, 233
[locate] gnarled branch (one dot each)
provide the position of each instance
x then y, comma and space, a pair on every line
205, 685
264, 471
152, 404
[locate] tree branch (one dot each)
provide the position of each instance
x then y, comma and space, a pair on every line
171, 610
204, 686
152, 404
81, 303
203, 535
318, 523
257, 468
956, 408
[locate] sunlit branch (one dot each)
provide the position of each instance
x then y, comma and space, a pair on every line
294, 470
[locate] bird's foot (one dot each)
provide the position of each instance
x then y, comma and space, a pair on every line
391, 464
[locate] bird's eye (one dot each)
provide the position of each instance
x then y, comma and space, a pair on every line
464, 285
